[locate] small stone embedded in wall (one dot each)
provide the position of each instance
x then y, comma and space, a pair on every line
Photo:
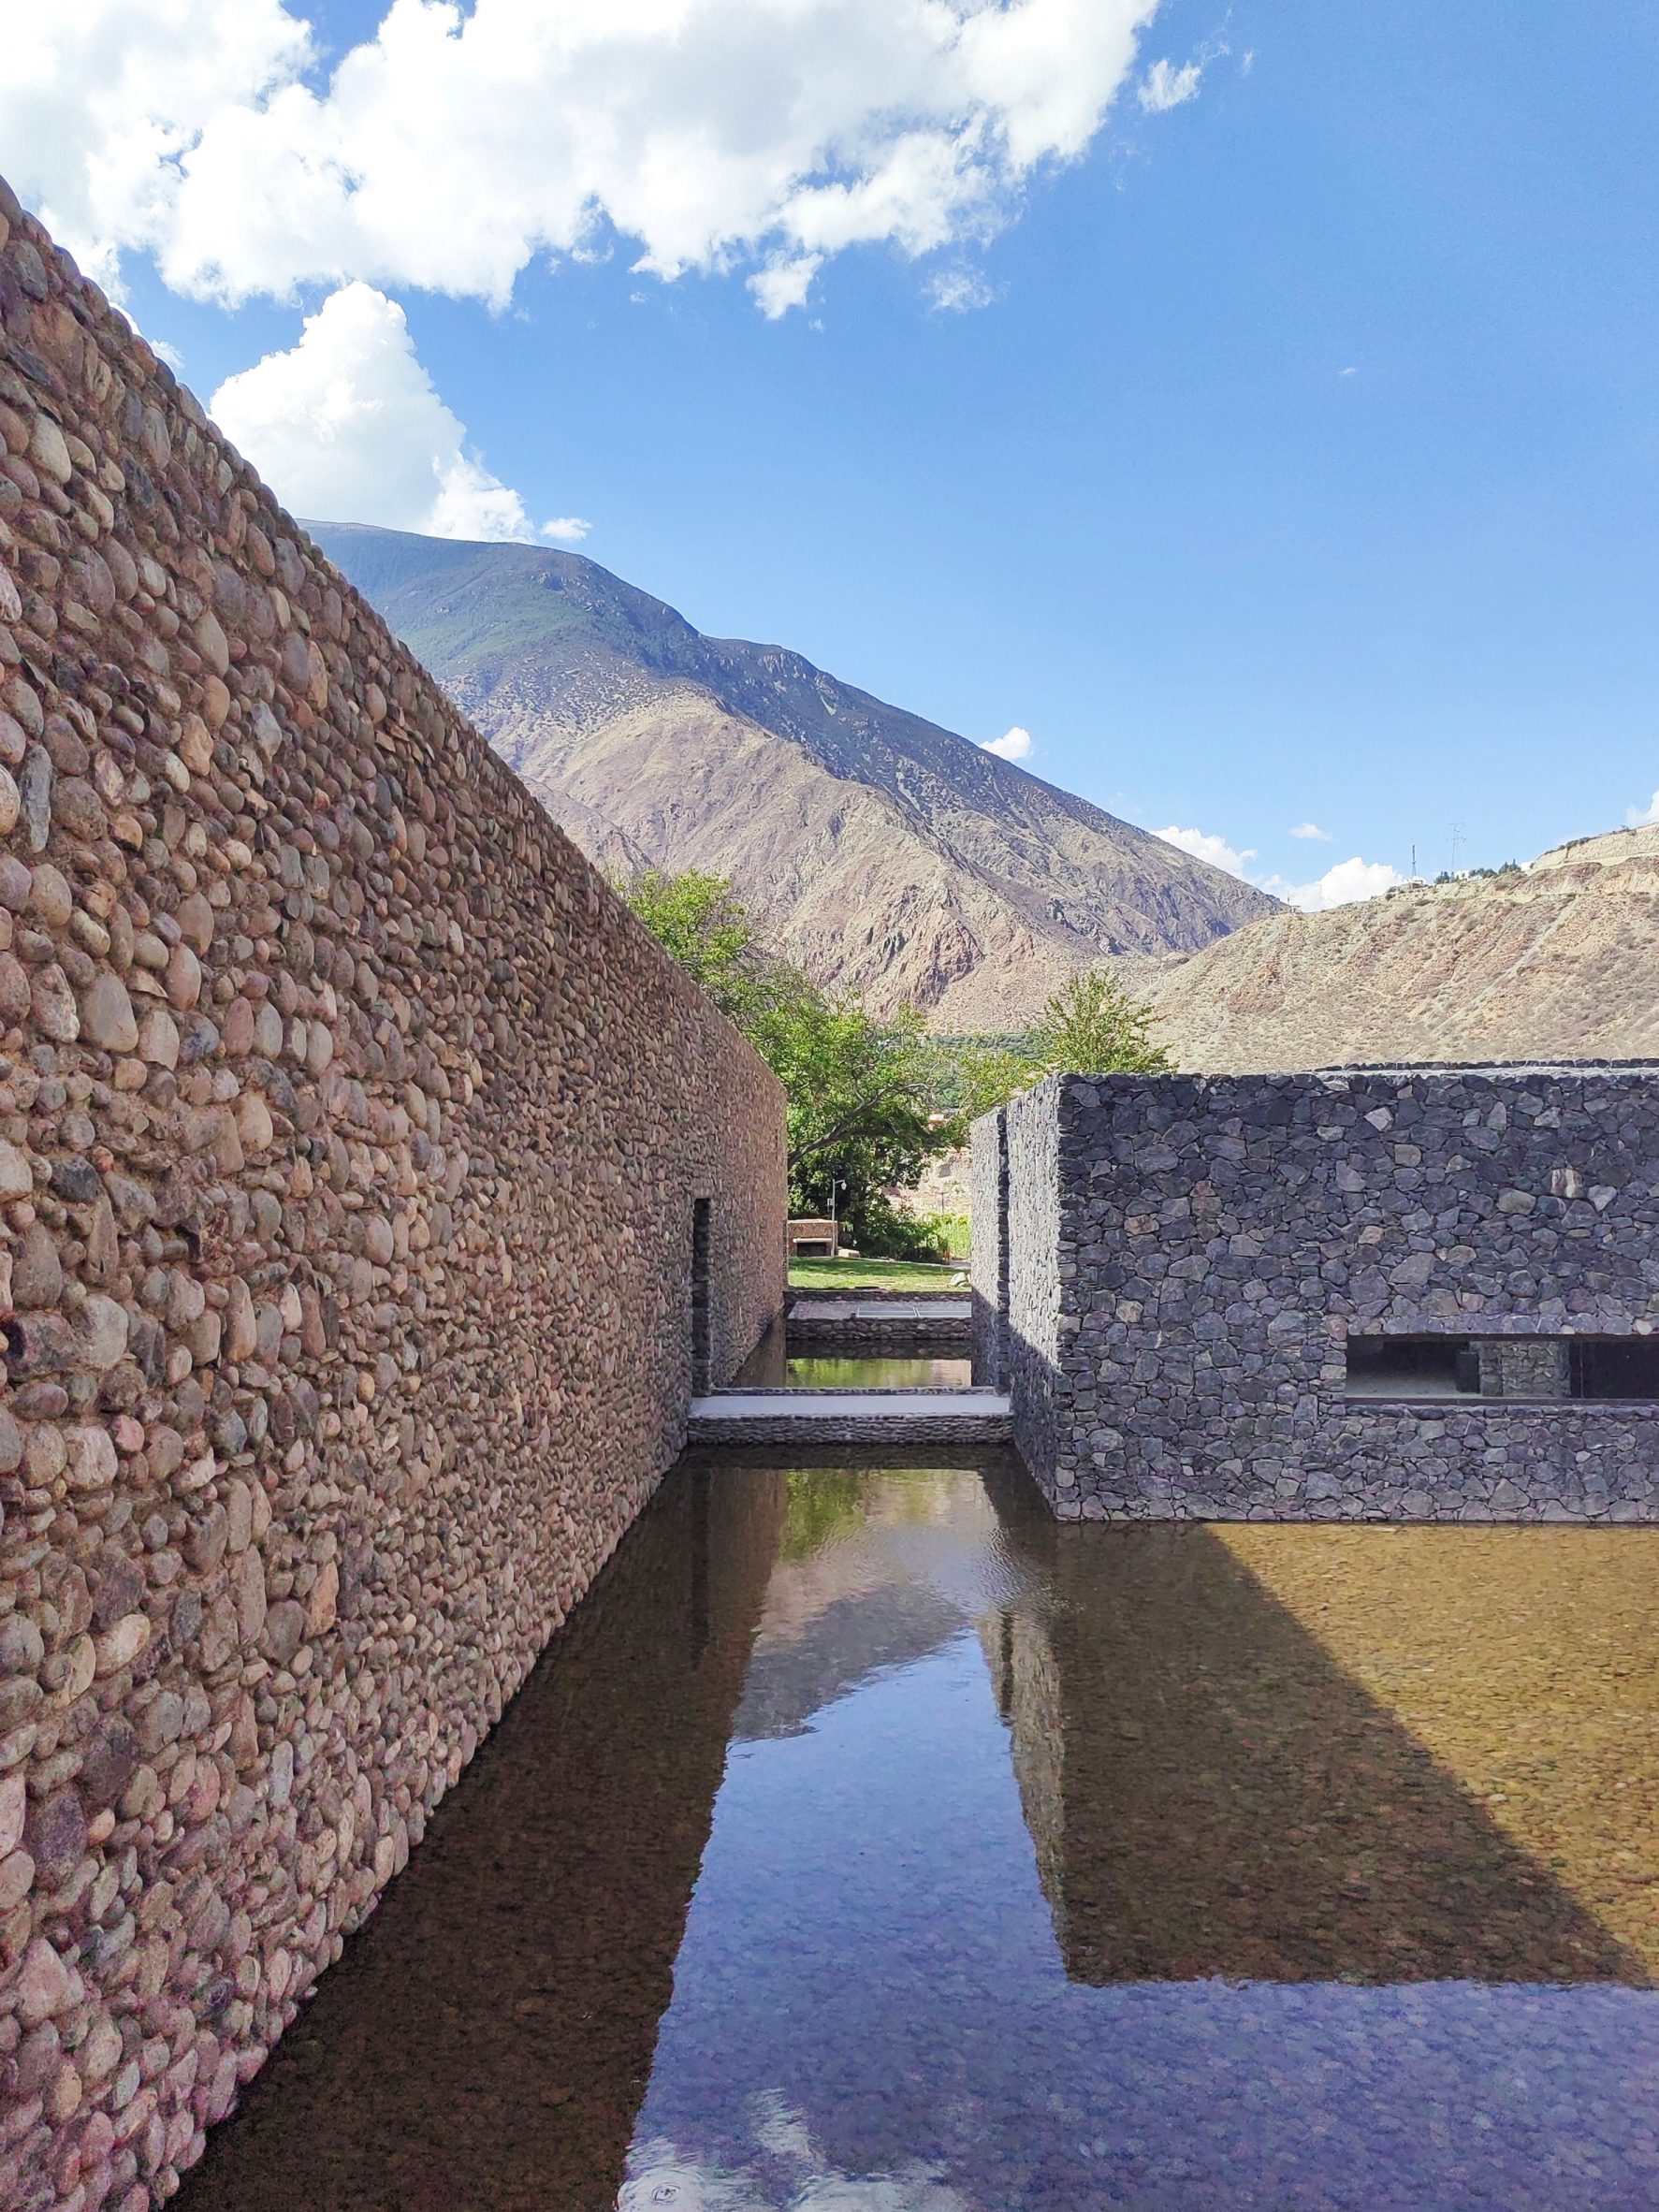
349, 1133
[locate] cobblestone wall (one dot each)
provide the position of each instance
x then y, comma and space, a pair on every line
349, 1134
1218, 1239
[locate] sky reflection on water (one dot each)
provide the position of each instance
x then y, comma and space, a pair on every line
1048, 1868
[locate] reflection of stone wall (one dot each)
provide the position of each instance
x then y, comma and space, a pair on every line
1210, 1791
349, 1131
1189, 1253
534, 1936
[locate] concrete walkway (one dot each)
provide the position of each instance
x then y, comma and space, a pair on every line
850, 1416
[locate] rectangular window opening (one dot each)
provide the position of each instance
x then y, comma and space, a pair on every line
1615, 1367
1413, 1367
1534, 1368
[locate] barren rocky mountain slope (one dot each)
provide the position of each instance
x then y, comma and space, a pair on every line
1557, 959
881, 852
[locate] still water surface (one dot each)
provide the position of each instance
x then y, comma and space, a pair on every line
775, 1365
868, 1842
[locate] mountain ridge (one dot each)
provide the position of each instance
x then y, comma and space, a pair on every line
885, 853
1554, 959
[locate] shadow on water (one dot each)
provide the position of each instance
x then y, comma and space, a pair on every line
486, 2040
1209, 1793
869, 1840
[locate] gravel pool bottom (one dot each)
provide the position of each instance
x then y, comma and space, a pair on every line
869, 1842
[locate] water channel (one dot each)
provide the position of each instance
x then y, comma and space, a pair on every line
869, 1842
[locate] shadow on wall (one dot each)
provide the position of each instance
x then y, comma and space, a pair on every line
1209, 1793
530, 1946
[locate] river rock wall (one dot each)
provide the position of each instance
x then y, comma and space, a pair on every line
350, 1134
1191, 1261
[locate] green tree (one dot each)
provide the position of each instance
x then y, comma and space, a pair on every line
863, 1111
695, 917
1092, 1026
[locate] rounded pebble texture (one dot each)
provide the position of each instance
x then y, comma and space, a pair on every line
349, 1134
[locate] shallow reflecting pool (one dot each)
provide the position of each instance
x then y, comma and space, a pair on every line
868, 1841
889, 1370
776, 1365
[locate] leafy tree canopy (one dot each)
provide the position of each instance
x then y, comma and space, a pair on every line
870, 1101
695, 917
1092, 1026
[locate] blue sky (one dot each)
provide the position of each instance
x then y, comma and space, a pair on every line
1295, 466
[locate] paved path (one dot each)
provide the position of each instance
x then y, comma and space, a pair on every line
807, 1405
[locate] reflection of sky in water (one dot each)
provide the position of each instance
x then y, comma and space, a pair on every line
868, 1842
870, 2009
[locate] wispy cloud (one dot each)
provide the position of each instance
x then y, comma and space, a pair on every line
958, 291
1311, 830
1643, 816
1164, 86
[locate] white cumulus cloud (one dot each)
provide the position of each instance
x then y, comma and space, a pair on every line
347, 426
1312, 830
1216, 851
1013, 745
1339, 886
1643, 816
454, 145
1343, 885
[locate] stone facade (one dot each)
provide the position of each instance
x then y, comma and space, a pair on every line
1192, 1263
352, 1141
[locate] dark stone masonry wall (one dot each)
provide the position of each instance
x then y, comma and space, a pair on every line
988, 1185
349, 1136
1219, 1240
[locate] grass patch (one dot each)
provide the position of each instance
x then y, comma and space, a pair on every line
872, 1274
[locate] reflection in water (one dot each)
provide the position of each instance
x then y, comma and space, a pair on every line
1163, 1689
774, 1365
1050, 1869
485, 2039
877, 1371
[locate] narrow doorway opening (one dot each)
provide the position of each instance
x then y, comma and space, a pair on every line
702, 1356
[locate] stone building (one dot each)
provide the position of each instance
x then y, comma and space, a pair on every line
373, 1192
1421, 1293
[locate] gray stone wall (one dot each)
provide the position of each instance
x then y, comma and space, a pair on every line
1207, 1244
349, 1136
1039, 1321
987, 1209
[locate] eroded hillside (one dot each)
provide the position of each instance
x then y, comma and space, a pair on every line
882, 853
1560, 958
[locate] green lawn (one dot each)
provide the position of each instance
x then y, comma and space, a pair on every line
872, 1274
